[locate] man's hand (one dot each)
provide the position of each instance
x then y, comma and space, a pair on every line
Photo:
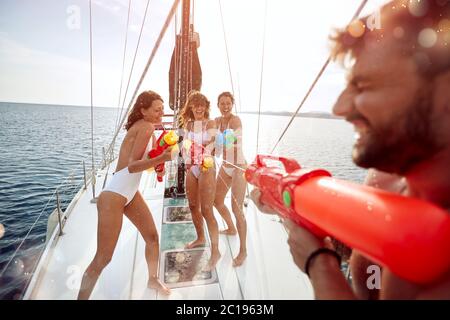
301, 242
255, 195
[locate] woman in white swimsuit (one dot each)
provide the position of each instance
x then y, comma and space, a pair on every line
121, 195
229, 176
200, 183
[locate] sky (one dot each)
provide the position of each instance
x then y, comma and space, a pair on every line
44, 50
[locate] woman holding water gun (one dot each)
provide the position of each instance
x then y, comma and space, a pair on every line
201, 177
229, 142
121, 195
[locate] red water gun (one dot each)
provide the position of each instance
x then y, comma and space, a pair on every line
411, 237
165, 140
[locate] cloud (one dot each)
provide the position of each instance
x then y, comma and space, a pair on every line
15, 53
31, 75
116, 7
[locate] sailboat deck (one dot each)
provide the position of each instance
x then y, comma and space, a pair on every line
267, 273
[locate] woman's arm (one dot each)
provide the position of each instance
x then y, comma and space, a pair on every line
211, 128
236, 125
135, 162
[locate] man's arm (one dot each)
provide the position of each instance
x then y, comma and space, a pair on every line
325, 274
324, 270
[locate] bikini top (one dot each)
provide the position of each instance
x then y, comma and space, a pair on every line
197, 139
225, 137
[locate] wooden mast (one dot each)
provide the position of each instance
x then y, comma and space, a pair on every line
183, 80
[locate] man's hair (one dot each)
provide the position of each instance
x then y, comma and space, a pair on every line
410, 22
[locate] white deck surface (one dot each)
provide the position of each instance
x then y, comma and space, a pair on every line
267, 273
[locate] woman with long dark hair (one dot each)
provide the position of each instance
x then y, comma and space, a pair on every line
121, 195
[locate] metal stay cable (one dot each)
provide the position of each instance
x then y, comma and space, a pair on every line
319, 75
144, 73
261, 76
231, 76
123, 66
134, 59
92, 99
226, 50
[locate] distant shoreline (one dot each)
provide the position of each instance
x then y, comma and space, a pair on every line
53, 105
311, 114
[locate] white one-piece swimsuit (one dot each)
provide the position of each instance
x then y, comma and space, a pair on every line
125, 183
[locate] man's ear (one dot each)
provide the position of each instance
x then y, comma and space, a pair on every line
441, 93
441, 108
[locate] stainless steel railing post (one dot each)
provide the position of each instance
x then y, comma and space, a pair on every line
84, 173
58, 208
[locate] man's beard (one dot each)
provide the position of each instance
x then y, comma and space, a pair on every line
402, 144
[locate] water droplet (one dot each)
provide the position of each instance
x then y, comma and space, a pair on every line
399, 32
418, 8
427, 38
369, 206
356, 28
388, 217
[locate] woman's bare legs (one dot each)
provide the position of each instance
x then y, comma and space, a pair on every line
207, 189
139, 214
238, 188
194, 206
223, 184
110, 208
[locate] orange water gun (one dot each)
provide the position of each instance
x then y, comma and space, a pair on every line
166, 139
411, 237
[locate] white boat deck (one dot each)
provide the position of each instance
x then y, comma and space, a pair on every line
267, 273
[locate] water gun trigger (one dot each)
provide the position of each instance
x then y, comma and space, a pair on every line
290, 165
277, 186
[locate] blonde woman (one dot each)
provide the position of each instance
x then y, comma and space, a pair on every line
121, 195
200, 182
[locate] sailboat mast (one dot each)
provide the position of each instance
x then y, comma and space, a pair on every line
180, 73
185, 83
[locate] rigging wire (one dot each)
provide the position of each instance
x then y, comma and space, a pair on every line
231, 81
144, 73
261, 76
134, 58
92, 100
176, 77
319, 75
123, 66
239, 92
226, 50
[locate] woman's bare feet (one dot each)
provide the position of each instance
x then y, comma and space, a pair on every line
212, 261
239, 260
154, 283
196, 243
229, 232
